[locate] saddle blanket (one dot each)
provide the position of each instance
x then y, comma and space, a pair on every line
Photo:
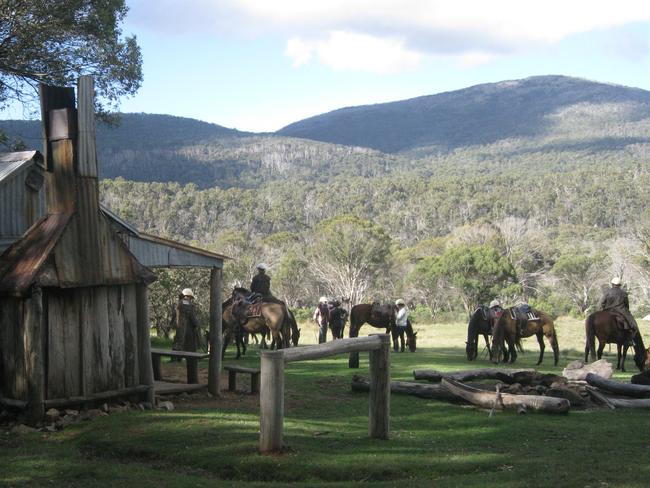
523, 313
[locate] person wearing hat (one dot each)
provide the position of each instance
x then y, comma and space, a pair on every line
187, 323
615, 300
402, 317
495, 310
321, 316
261, 282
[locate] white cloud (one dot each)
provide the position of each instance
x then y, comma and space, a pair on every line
355, 52
390, 35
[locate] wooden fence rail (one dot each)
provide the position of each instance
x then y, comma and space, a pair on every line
272, 385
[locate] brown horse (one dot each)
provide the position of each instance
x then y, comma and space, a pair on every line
604, 326
382, 317
506, 330
274, 318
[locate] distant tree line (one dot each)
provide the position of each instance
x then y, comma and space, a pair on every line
445, 242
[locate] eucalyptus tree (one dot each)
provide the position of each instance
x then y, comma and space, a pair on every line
55, 41
349, 255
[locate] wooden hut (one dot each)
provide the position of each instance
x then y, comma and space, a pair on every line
73, 300
74, 322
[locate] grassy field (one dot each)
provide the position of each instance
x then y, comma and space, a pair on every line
213, 442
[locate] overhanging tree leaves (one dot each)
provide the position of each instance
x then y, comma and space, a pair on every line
348, 255
55, 41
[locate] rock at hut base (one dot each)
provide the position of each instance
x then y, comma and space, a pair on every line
168, 406
52, 415
23, 429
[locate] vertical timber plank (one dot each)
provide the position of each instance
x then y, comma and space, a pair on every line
101, 340
215, 336
71, 302
131, 365
379, 397
87, 326
116, 337
144, 340
56, 351
34, 323
271, 401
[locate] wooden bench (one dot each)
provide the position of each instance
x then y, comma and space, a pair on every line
232, 377
191, 360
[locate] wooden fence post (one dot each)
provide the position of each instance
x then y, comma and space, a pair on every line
271, 401
379, 397
216, 335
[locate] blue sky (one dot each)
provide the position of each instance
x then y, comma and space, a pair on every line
258, 65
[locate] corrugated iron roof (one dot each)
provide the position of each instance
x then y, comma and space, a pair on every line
10, 162
184, 247
151, 257
21, 262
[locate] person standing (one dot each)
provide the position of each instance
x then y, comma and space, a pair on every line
187, 323
321, 316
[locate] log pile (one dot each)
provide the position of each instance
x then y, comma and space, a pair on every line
525, 390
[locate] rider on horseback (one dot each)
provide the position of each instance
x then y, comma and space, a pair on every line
615, 300
261, 283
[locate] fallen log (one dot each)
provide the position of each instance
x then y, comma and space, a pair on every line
618, 387
499, 400
642, 378
599, 397
630, 403
573, 396
436, 392
469, 375
530, 378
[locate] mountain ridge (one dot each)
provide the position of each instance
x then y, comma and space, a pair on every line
554, 119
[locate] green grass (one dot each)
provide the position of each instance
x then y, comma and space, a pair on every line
214, 442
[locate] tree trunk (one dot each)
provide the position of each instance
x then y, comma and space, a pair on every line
618, 387
469, 375
520, 403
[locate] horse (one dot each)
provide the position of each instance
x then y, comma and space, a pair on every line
274, 318
382, 317
479, 324
507, 330
338, 317
604, 326
411, 337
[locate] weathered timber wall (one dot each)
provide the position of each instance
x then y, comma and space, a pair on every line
91, 340
13, 377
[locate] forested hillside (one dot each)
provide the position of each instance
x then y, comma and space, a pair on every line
559, 111
532, 190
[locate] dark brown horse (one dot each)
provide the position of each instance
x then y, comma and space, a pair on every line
479, 324
604, 326
382, 317
507, 330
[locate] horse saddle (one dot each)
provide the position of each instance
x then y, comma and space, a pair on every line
246, 309
523, 312
621, 320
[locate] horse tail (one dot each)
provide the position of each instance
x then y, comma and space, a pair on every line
590, 334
